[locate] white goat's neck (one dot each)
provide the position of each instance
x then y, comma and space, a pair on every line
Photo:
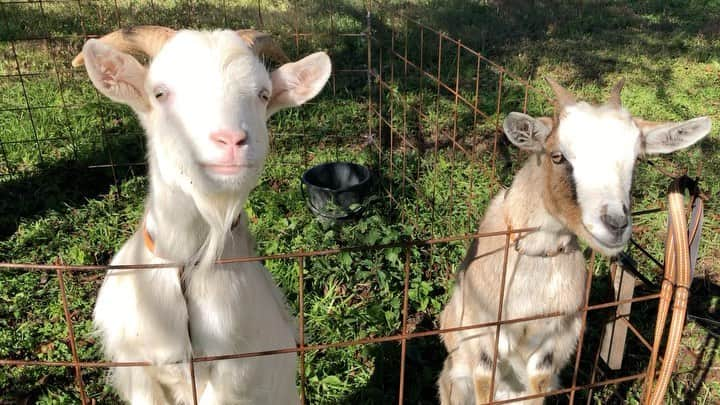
524, 207
173, 221
188, 228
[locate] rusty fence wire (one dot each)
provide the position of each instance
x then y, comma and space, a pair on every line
430, 103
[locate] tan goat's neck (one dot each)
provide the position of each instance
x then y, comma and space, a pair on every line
524, 207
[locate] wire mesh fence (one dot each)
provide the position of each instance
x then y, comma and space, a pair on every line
422, 109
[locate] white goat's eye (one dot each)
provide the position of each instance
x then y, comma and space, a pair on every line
264, 95
557, 157
160, 92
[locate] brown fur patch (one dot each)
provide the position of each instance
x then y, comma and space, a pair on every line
482, 390
540, 383
560, 196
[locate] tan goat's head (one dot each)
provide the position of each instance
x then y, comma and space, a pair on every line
588, 153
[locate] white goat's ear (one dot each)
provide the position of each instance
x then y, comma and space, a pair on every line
669, 137
527, 132
117, 75
297, 82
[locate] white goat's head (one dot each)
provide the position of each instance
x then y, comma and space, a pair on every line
588, 153
203, 99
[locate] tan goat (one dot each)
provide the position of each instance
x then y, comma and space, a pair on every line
575, 184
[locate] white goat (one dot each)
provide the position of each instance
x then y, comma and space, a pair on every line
203, 101
576, 184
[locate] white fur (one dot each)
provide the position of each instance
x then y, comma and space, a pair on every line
210, 81
602, 144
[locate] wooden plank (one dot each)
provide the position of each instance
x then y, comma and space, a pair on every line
612, 349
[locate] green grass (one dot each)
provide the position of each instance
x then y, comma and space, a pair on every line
56, 208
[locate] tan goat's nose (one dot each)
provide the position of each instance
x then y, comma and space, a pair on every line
616, 222
228, 139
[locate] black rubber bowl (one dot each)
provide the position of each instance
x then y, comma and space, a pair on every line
336, 190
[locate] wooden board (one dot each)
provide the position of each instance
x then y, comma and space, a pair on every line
612, 348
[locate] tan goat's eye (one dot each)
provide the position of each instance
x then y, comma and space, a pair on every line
557, 157
160, 92
264, 95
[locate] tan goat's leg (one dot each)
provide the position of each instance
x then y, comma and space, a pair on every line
482, 389
455, 384
541, 378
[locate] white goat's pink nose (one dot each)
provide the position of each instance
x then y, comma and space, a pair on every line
227, 139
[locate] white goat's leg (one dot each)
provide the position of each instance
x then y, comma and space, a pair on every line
138, 387
220, 388
209, 396
274, 384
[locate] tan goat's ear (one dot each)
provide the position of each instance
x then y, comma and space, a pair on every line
295, 83
117, 75
667, 137
526, 132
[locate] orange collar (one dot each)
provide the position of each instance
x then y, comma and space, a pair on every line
150, 243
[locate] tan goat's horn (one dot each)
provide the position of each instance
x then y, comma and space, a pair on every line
614, 99
263, 45
143, 39
562, 96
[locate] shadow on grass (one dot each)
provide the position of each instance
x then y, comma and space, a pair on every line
592, 39
300, 28
696, 364
59, 184
703, 351
423, 362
